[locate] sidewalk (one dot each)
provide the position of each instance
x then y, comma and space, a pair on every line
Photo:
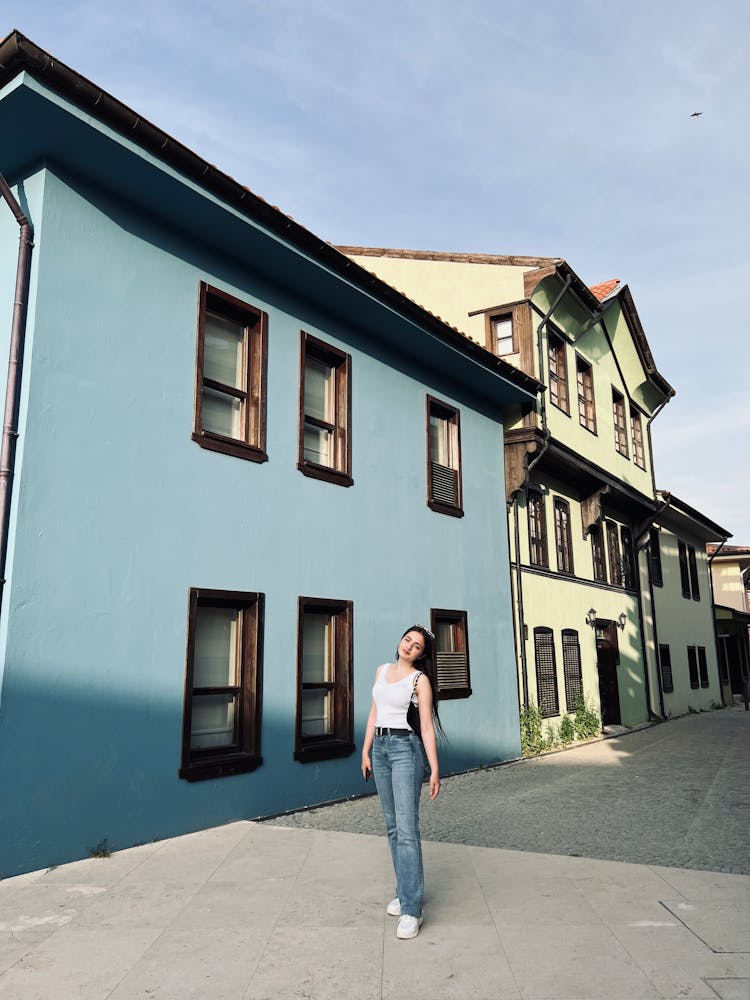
250, 911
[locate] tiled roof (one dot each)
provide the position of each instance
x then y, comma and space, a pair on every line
729, 550
602, 290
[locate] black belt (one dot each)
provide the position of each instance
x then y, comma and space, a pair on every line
387, 731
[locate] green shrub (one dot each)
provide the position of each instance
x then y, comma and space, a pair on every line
532, 740
586, 723
567, 730
551, 736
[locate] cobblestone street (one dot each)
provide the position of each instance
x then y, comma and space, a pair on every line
675, 794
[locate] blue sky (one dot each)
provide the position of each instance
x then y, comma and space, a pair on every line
556, 128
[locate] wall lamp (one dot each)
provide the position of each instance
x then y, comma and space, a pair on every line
591, 617
621, 619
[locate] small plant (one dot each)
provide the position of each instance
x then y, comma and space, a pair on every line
551, 736
102, 850
567, 730
586, 723
532, 740
693, 711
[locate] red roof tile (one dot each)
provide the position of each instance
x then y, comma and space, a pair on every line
602, 290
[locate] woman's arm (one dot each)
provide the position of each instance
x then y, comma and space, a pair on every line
424, 697
369, 736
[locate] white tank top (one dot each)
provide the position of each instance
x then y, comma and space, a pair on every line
392, 700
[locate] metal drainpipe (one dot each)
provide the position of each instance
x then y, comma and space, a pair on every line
15, 371
519, 604
716, 631
647, 545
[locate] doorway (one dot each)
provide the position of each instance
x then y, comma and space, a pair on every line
607, 658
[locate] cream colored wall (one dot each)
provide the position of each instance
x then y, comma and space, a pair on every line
683, 622
451, 289
559, 602
728, 586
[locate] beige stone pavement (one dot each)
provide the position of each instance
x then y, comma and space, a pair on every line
249, 911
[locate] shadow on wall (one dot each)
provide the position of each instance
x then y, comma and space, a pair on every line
80, 769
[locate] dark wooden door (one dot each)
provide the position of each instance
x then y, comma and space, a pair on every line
607, 658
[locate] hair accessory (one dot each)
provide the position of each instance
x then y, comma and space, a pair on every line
426, 631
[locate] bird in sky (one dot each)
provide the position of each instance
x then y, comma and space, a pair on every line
696, 114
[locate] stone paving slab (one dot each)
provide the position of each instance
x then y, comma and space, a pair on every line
253, 911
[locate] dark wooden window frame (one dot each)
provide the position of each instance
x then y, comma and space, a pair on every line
614, 555
546, 672
571, 649
654, 558
436, 407
636, 435
244, 753
339, 743
665, 666
682, 555
536, 512
491, 339
557, 364
693, 668
695, 590
702, 666
628, 559
252, 393
598, 556
584, 380
459, 619
563, 536
340, 472
620, 423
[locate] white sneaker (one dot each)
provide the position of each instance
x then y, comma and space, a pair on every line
394, 908
408, 927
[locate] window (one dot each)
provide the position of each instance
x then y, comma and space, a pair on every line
665, 665
597, 553
654, 557
618, 415
702, 666
572, 668
223, 679
563, 540
443, 458
324, 725
693, 667
325, 419
615, 562
558, 372
537, 529
586, 406
688, 571
628, 558
501, 327
636, 435
230, 394
693, 566
451, 653
546, 672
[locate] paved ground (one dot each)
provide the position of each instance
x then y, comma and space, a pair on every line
675, 794
255, 911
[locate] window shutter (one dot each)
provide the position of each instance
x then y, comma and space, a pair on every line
665, 663
692, 667
546, 672
452, 670
572, 668
444, 483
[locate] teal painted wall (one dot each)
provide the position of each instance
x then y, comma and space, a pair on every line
117, 513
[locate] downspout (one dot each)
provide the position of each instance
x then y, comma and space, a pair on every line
529, 467
644, 528
519, 603
540, 362
713, 617
15, 371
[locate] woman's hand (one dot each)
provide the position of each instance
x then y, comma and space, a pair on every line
366, 765
434, 785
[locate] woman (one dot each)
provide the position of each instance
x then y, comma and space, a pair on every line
398, 764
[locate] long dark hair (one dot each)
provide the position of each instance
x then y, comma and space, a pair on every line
426, 664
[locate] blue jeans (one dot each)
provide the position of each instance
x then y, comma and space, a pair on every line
398, 765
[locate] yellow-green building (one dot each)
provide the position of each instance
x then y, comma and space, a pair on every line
730, 571
584, 514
